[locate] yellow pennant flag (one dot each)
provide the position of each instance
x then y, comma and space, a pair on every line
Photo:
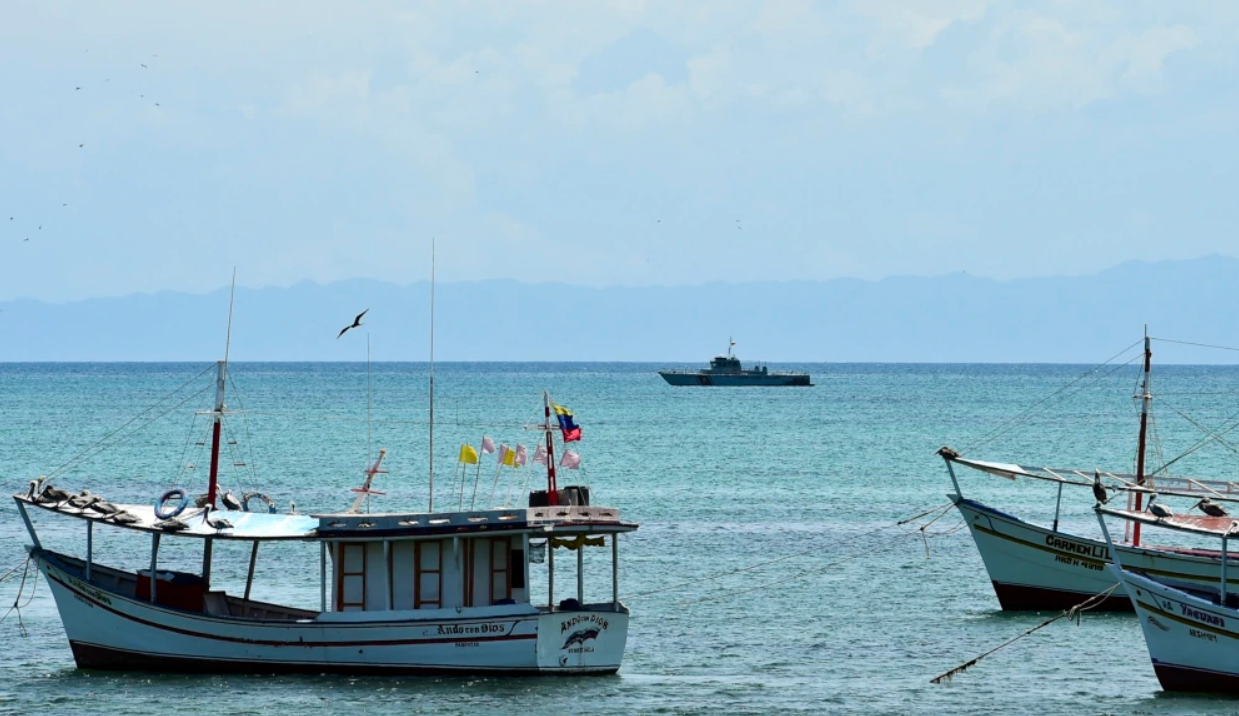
468, 455
508, 456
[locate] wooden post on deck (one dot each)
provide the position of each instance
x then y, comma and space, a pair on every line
90, 546
207, 547
580, 571
387, 567
615, 570
322, 577
550, 572
249, 578
154, 563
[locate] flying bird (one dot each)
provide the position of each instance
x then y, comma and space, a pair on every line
1211, 508
76, 89
80, 146
356, 323
144, 66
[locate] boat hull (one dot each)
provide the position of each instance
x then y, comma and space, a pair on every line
1033, 568
107, 630
736, 380
1193, 643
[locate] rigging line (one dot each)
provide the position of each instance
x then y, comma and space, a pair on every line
1027, 411
1038, 407
131, 421
21, 588
816, 548
249, 441
1198, 345
232, 296
189, 437
793, 578
1203, 429
1074, 612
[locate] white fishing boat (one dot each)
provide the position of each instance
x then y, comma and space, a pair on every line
1039, 567
399, 592
1191, 629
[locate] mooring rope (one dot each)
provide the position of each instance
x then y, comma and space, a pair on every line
816, 548
20, 591
1074, 612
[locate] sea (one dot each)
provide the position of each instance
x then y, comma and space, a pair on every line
770, 574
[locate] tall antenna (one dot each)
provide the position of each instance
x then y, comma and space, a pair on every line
368, 393
432, 374
232, 297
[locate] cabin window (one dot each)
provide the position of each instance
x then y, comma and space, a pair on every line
352, 589
428, 580
516, 568
500, 590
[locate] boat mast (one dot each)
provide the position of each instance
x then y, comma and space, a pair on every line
552, 488
221, 377
1145, 398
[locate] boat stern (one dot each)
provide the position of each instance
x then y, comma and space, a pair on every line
582, 642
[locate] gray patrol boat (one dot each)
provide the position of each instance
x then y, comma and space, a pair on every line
726, 371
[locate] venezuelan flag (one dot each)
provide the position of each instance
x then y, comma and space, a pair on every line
571, 430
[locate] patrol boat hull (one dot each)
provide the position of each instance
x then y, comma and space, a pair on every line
725, 380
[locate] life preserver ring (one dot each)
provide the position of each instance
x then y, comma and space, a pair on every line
176, 493
245, 502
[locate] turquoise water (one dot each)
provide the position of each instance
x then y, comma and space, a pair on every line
719, 479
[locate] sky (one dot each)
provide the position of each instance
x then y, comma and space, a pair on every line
147, 146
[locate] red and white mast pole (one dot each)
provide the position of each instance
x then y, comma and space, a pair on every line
1145, 398
552, 488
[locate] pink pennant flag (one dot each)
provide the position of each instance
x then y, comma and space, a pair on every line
539, 455
503, 452
488, 445
570, 460
521, 456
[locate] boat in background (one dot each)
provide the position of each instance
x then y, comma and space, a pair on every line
726, 371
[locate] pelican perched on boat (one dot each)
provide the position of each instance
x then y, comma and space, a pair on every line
53, 494
1159, 510
123, 518
103, 507
1211, 508
1099, 490
230, 501
218, 523
171, 524
83, 499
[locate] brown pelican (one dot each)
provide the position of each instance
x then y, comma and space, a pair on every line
82, 500
218, 523
103, 507
1159, 511
1211, 508
230, 501
172, 524
202, 500
1099, 490
52, 494
123, 518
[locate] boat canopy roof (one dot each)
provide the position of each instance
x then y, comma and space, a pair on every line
260, 526
1163, 484
1194, 524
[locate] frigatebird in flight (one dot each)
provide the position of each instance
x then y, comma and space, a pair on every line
356, 323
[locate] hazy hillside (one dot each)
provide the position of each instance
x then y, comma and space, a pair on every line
955, 318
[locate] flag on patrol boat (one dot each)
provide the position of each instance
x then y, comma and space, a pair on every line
571, 430
539, 454
521, 456
468, 455
570, 460
488, 445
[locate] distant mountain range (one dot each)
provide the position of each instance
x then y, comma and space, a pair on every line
952, 318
